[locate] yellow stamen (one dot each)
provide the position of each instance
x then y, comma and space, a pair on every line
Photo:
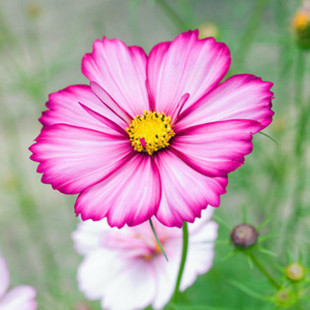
150, 132
154, 252
157, 248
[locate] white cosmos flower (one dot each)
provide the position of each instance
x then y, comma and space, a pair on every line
125, 268
20, 297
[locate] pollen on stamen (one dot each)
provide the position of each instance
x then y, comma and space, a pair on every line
150, 132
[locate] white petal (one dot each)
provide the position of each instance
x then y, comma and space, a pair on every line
4, 277
19, 298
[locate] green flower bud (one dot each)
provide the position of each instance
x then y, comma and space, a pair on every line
285, 297
295, 272
208, 30
301, 27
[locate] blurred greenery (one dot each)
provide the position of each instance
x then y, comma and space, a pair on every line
41, 46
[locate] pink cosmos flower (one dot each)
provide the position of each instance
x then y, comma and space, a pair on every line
20, 297
125, 268
151, 135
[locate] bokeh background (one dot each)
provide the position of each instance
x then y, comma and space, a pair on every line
41, 46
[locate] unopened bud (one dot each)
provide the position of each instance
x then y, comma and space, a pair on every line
244, 236
34, 11
301, 27
208, 30
285, 298
295, 272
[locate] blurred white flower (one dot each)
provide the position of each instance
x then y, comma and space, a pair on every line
125, 268
20, 297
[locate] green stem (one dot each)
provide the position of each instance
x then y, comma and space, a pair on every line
172, 15
299, 146
301, 122
182, 264
264, 271
157, 240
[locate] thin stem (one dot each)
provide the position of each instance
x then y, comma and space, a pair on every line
264, 271
182, 264
157, 240
299, 146
172, 15
301, 122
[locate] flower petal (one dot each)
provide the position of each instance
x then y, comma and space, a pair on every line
185, 192
202, 234
109, 102
73, 158
166, 273
242, 96
89, 235
215, 149
185, 65
200, 252
20, 297
121, 72
136, 284
66, 107
130, 196
4, 276
195, 229
98, 269
120, 282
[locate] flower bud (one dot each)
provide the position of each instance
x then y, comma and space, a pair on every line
34, 11
301, 26
285, 297
295, 272
244, 236
208, 30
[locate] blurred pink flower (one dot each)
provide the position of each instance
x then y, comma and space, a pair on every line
151, 135
20, 297
125, 268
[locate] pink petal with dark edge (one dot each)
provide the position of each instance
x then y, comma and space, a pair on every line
121, 71
185, 192
185, 65
215, 149
130, 196
73, 158
242, 96
65, 108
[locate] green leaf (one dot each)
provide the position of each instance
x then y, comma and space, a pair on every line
268, 237
247, 290
271, 138
221, 221
229, 255
267, 252
265, 222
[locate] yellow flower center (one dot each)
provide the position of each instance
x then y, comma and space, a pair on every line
154, 252
150, 132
